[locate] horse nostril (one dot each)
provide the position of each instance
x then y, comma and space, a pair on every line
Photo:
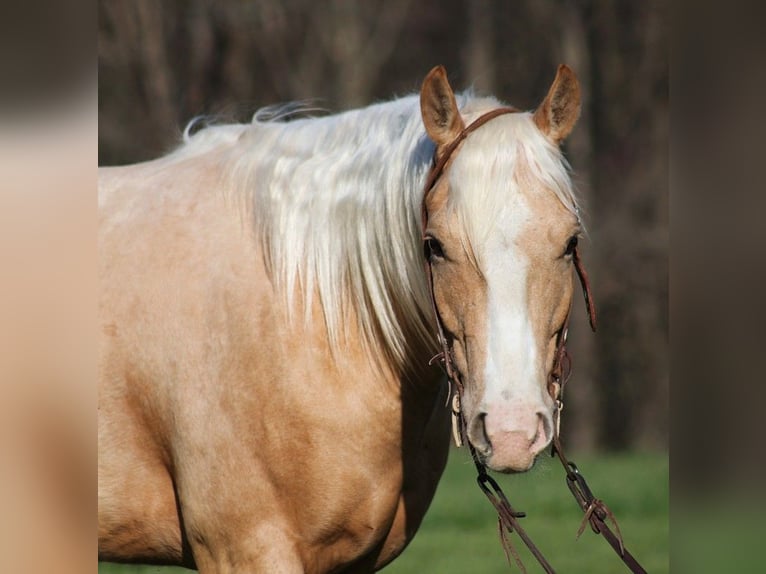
544, 433
477, 434
485, 446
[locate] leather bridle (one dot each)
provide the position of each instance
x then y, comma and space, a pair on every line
595, 510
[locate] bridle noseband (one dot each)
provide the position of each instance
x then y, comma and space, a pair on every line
596, 511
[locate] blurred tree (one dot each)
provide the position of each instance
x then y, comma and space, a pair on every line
479, 60
628, 128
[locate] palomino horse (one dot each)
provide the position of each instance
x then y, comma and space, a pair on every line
266, 401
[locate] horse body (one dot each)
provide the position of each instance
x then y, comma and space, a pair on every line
260, 415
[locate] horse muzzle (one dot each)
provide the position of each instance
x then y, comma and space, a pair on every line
509, 440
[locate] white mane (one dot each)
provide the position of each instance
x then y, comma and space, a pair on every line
336, 205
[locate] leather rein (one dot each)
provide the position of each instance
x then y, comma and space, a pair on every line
596, 513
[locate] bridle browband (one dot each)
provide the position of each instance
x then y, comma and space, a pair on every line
595, 510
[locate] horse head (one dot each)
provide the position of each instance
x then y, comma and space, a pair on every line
500, 232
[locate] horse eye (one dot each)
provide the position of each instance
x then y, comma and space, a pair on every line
571, 245
432, 249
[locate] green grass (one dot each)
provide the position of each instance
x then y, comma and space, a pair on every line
459, 533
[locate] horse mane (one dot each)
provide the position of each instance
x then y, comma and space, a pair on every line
335, 203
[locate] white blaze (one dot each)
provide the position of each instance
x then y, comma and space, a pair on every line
511, 372
513, 395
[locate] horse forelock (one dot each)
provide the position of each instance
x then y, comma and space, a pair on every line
497, 162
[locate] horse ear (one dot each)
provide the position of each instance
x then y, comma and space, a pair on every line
558, 113
439, 108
